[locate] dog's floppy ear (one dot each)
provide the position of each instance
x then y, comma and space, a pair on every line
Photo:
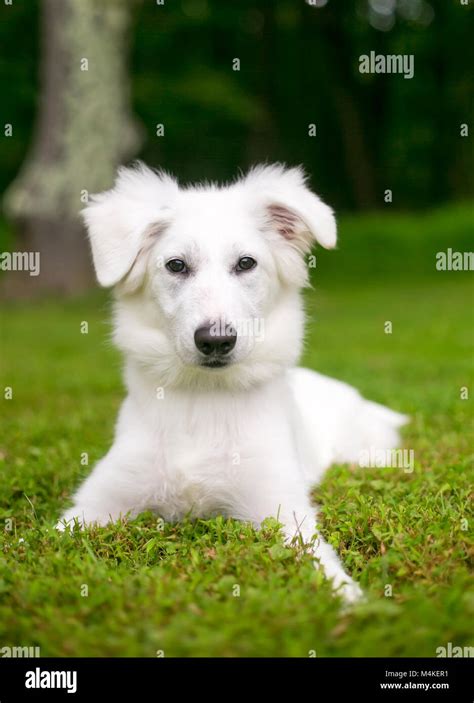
290, 208
119, 220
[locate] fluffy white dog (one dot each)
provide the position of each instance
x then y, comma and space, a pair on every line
208, 314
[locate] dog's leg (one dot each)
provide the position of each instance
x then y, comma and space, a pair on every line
290, 504
301, 526
118, 485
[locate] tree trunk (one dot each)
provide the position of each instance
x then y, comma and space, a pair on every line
84, 130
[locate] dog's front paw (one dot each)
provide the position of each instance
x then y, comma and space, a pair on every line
80, 517
350, 592
345, 587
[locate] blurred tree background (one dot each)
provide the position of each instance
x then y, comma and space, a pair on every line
171, 65
299, 66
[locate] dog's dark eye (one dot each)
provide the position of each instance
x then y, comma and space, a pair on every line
176, 266
246, 263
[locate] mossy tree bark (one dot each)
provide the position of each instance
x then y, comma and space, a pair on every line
84, 130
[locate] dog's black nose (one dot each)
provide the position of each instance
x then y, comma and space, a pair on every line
209, 342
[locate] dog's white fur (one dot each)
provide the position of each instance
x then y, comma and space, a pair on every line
247, 440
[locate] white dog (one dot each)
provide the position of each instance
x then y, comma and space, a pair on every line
209, 316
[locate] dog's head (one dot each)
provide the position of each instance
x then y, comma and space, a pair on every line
207, 278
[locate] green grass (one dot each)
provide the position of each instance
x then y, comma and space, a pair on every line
175, 589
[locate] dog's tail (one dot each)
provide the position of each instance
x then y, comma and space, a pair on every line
391, 417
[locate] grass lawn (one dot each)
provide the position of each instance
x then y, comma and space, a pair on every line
218, 588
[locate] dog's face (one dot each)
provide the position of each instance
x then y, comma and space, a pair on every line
212, 275
208, 278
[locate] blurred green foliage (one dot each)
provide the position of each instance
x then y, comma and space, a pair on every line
298, 66
396, 245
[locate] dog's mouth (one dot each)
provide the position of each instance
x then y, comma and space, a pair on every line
215, 363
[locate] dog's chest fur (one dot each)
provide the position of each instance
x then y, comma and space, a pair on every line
208, 449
